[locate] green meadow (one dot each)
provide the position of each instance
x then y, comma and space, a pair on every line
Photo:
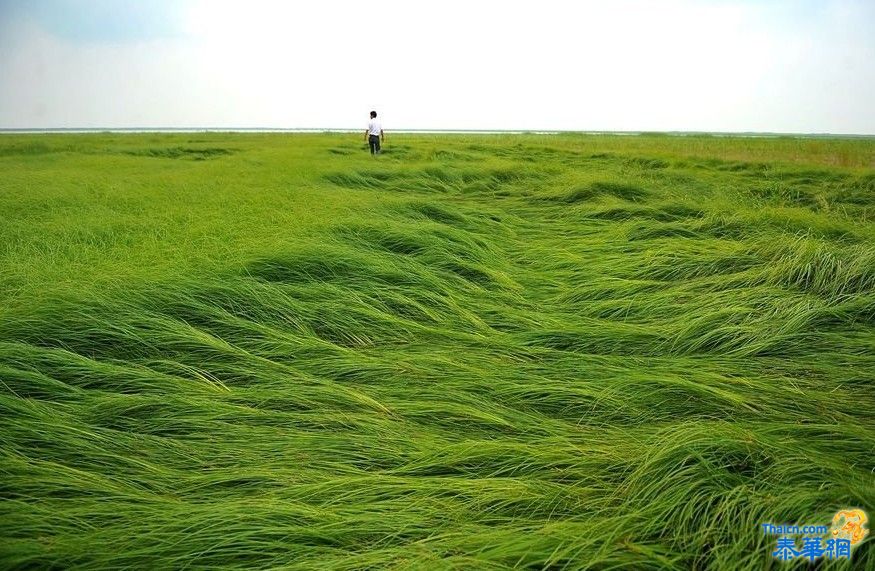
562, 351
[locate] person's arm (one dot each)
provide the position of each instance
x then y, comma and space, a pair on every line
366, 134
382, 136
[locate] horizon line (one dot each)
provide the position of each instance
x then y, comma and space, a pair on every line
48, 130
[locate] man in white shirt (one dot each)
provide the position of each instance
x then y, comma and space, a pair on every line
374, 134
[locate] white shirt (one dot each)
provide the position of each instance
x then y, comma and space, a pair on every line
374, 127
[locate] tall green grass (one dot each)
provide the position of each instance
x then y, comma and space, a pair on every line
472, 352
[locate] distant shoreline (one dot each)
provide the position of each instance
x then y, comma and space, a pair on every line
434, 132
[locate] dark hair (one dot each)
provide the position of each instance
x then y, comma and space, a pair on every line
373, 114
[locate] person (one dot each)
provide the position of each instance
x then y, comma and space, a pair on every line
374, 134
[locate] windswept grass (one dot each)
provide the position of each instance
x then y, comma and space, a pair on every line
481, 352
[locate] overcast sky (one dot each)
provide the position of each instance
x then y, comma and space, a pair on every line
694, 65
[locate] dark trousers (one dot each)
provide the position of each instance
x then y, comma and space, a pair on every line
374, 144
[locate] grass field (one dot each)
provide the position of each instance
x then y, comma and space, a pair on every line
472, 352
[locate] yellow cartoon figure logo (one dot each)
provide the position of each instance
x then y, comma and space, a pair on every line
848, 524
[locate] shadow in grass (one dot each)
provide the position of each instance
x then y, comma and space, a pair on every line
370, 179
436, 212
647, 163
623, 191
326, 265
339, 151
665, 231
664, 213
31, 149
432, 179
181, 152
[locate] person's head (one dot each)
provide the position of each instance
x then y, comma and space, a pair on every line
373, 114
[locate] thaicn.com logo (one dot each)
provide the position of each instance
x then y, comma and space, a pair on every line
812, 542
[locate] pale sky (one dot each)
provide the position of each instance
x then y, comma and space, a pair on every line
801, 66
